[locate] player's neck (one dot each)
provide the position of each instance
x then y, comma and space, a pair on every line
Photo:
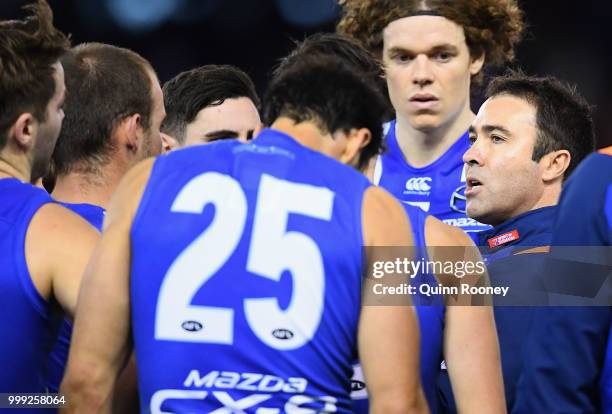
12, 168
80, 187
549, 197
306, 133
421, 148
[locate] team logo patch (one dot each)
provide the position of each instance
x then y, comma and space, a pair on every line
457, 200
503, 239
282, 333
418, 185
357, 385
192, 326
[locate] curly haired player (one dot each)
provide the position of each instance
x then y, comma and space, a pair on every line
433, 52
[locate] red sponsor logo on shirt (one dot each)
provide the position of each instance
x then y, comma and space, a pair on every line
503, 239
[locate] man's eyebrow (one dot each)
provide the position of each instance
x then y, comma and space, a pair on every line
445, 47
222, 133
490, 128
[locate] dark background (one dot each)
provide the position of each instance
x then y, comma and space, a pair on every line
568, 39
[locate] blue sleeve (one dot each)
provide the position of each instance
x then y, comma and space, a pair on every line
583, 207
562, 369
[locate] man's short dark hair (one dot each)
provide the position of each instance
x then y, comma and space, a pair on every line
28, 50
563, 117
189, 92
331, 93
343, 47
105, 85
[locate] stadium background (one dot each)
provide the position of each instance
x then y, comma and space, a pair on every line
569, 39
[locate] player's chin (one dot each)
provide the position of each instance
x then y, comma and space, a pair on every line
476, 210
425, 120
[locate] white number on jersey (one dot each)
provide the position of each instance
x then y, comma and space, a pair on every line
272, 250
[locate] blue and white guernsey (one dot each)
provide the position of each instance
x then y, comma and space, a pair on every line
438, 188
246, 279
24, 313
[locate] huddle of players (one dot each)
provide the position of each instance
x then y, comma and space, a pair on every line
158, 280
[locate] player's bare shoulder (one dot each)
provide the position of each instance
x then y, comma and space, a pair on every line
385, 222
438, 233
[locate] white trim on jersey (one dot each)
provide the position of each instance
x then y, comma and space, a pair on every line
378, 170
423, 205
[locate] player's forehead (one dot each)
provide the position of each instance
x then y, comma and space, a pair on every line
510, 112
423, 33
234, 113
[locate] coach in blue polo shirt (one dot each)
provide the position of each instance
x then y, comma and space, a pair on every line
527, 137
569, 366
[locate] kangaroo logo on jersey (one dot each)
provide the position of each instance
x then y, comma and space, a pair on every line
418, 185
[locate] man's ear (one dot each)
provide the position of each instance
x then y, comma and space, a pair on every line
130, 133
476, 64
555, 164
356, 140
260, 127
168, 143
24, 130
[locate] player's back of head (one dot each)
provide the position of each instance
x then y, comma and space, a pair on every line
563, 117
330, 93
106, 84
191, 91
342, 47
28, 49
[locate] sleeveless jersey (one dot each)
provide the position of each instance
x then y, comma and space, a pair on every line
438, 188
93, 214
430, 313
24, 313
59, 354
246, 279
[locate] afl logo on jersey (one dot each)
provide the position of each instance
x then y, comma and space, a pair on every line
282, 333
192, 326
418, 185
357, 385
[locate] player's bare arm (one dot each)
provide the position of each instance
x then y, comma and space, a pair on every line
98, 355
58, 246
388, 337
471, 349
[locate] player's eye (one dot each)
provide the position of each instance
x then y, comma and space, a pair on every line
472, 139
443, 56
401, 57
497, 139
